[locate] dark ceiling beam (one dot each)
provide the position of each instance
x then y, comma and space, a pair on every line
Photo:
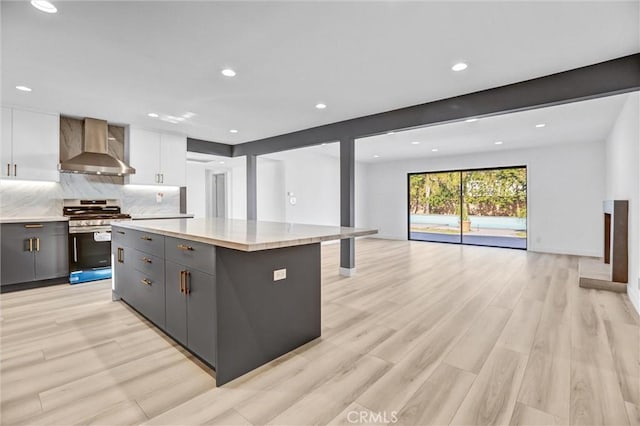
205, 147
608, 78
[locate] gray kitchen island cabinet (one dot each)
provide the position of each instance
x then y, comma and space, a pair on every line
33, 252
235, 293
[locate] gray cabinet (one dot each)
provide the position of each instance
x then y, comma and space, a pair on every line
171, 282
18, 261
121, 270
34, 252
139, 275
201, 315
176, 302
191, 309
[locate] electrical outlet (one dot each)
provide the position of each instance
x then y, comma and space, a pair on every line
280, 274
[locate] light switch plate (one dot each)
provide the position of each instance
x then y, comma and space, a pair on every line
280, 274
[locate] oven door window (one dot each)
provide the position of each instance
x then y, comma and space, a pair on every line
87, 252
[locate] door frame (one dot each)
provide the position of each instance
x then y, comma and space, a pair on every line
210, 174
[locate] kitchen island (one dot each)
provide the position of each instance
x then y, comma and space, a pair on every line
235, 293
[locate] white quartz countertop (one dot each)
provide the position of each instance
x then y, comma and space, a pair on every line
161, 216
245, 235
31, 219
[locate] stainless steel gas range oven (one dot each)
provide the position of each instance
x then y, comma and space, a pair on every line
90, 237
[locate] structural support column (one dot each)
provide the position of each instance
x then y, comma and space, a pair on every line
347, 204
252, 187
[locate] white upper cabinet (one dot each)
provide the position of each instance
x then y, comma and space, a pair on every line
6, 153
173, 160
30, 145
159, 158
144, 156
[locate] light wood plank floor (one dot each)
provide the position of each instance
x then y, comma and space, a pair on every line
423, 334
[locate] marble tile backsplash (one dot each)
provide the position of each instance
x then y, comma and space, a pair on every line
25, 198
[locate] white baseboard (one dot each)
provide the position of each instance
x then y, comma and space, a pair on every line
571, 252
388, 237
347, 272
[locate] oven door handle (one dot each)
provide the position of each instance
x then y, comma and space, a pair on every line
75, 249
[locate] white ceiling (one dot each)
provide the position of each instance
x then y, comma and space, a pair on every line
578, 122
121, 60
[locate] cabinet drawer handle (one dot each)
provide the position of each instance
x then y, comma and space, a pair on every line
120, 232
146, 260
30, 244
120, 255
37, 244
181, 281
8, 169
145, 281
34, 225
185, 247
146, 238
187, 275
15, 170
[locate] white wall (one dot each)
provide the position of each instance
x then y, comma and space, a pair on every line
195, 189
314, 179
236, 184
270, 188
623, 181
565, 193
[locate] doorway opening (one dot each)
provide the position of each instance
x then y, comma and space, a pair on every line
486, 207
216, 190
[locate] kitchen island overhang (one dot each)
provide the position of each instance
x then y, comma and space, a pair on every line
235, 293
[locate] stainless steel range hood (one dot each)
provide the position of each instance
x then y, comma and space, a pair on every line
95, 158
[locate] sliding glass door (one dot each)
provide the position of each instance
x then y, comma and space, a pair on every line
434, 207
480, 207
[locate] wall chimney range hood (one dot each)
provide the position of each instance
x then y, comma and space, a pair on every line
95, 158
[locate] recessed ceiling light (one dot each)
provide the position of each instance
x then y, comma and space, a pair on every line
434, 150
228, 72
23, 88
321, 106
323, 144
460, 66
415, 143
153, 115
222, 162
498, 142
376, 156
540, 125
179, 118
470, 120
188, 114
44, 6
233, 131
391, 133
